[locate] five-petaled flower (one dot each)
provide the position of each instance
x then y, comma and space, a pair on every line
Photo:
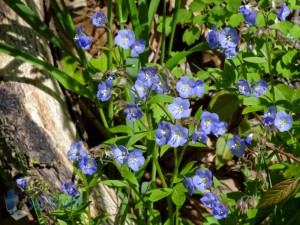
125, 38
212, 38
88, 165
135, 159
283, 121
70, 189
163, 133
179, 136
179, 108
133, 112
244, 87
248, 14
120, 153
202, 180
229, 38
283, 12
260, 88
138, 47
76, 152
81, 40
104, 90
236, 145
98, 19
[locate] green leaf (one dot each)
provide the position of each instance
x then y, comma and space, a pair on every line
236, 19
116, 140
115, 183
160, 99
293, 171
296, 100
121, 129
223, 155
289, 57
136, 137
69, 64
133, 70
61, 222
256, 60
199, 20
295, 32
100, 219
81, 208
100, 63
130, 178
58, 212
278, 166
283, 92
158, 194
178, 198
187, 168
168, 24
284, 26
252, 108
278, 193
190, 35
184, 16
196, 6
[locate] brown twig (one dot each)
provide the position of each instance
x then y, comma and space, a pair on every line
279, 150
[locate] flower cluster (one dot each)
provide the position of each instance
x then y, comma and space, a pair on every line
167, 134
281, 120
259, 88
210, 123
81, 40
78, 155
126, 39
134, 159
202, 181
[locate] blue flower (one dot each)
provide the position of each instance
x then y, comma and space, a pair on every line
244, 87
188, 184
269, 117
229, 38
104, 90
212, 38
81, 40
98, 19
179, 108
202, 180
138, 47
133, 112
283, 12
76, 152
120, 153
283, 121
219, 211
209, 121
185, 87
249, 15
135, 159
179, 136
163, 133
260, 88
70, 189
160, 84
22, 183
209, 199
141, 88
219, 128
229, 52
236, 145
125, 38
199, 136
147, 75
249, 139
199, 88
88, 166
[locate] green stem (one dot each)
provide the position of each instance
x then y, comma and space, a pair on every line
87, 191
163, 44
103, 117
109, 34
177, 216
175, 174
174, 23
120, 15
270, 67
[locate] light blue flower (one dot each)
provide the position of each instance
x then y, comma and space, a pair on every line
125, 38
135, 159
209, 121
283, 121
212, 38
179, 108
269, 117
188, 184
219, 128
98, 19
244, 87
163, 133
70, 189
148, 75
104, 90
133, 112
283, 12
236, 145
81, 40
229, 38
202, 180
199, 136
141, 88
138, 47
21, 182
219, 211
260, 88
185, 87
179, 136
160, 84
88, 165
120, 153
199, 88
229, 52
209, 199
249, 15
76, 152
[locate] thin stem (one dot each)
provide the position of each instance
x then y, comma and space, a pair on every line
109, 34
175, 174
177, 216
269, 66
174, 23
163, 45
103, 118
120, 15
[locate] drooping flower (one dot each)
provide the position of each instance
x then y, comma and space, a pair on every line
199, 136
81, 40
199, 88
147, 75
160, 84
76, 152
88, 166
188, 184
202, 180
269, 117
133, 112
236, 145
179, 136
185, 87
135, 159
249, 139
141, 88
229, 38
212, 38
209, 199
70, 189
229, 52
98, 19
120, 153
209, 121
21, 182
219, 211
283, 12
244, 87
163, 133
138, 47
179, 108
219, 128
260, 88
283, 121
249, 15
104, 90
125, 38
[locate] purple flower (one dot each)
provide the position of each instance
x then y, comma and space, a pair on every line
22, 183
244, 87
70, 189
249, 15
88, 166
179, 136
81, 40
138, 47
188, 184
269, 117
202, 180
219, 128
98, 19
120, 153
229, 53
76, 152
160, 84
248, 139
209, 121
229, 38
104, 90
283, 12
283, 121
199, 88
236, 145
133, 112
163, 133
209, 199
135, 159
141, 88
199, 136
260, 88
147, 75
125, 38
219, 211
185, 87
212, 38
179, 108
